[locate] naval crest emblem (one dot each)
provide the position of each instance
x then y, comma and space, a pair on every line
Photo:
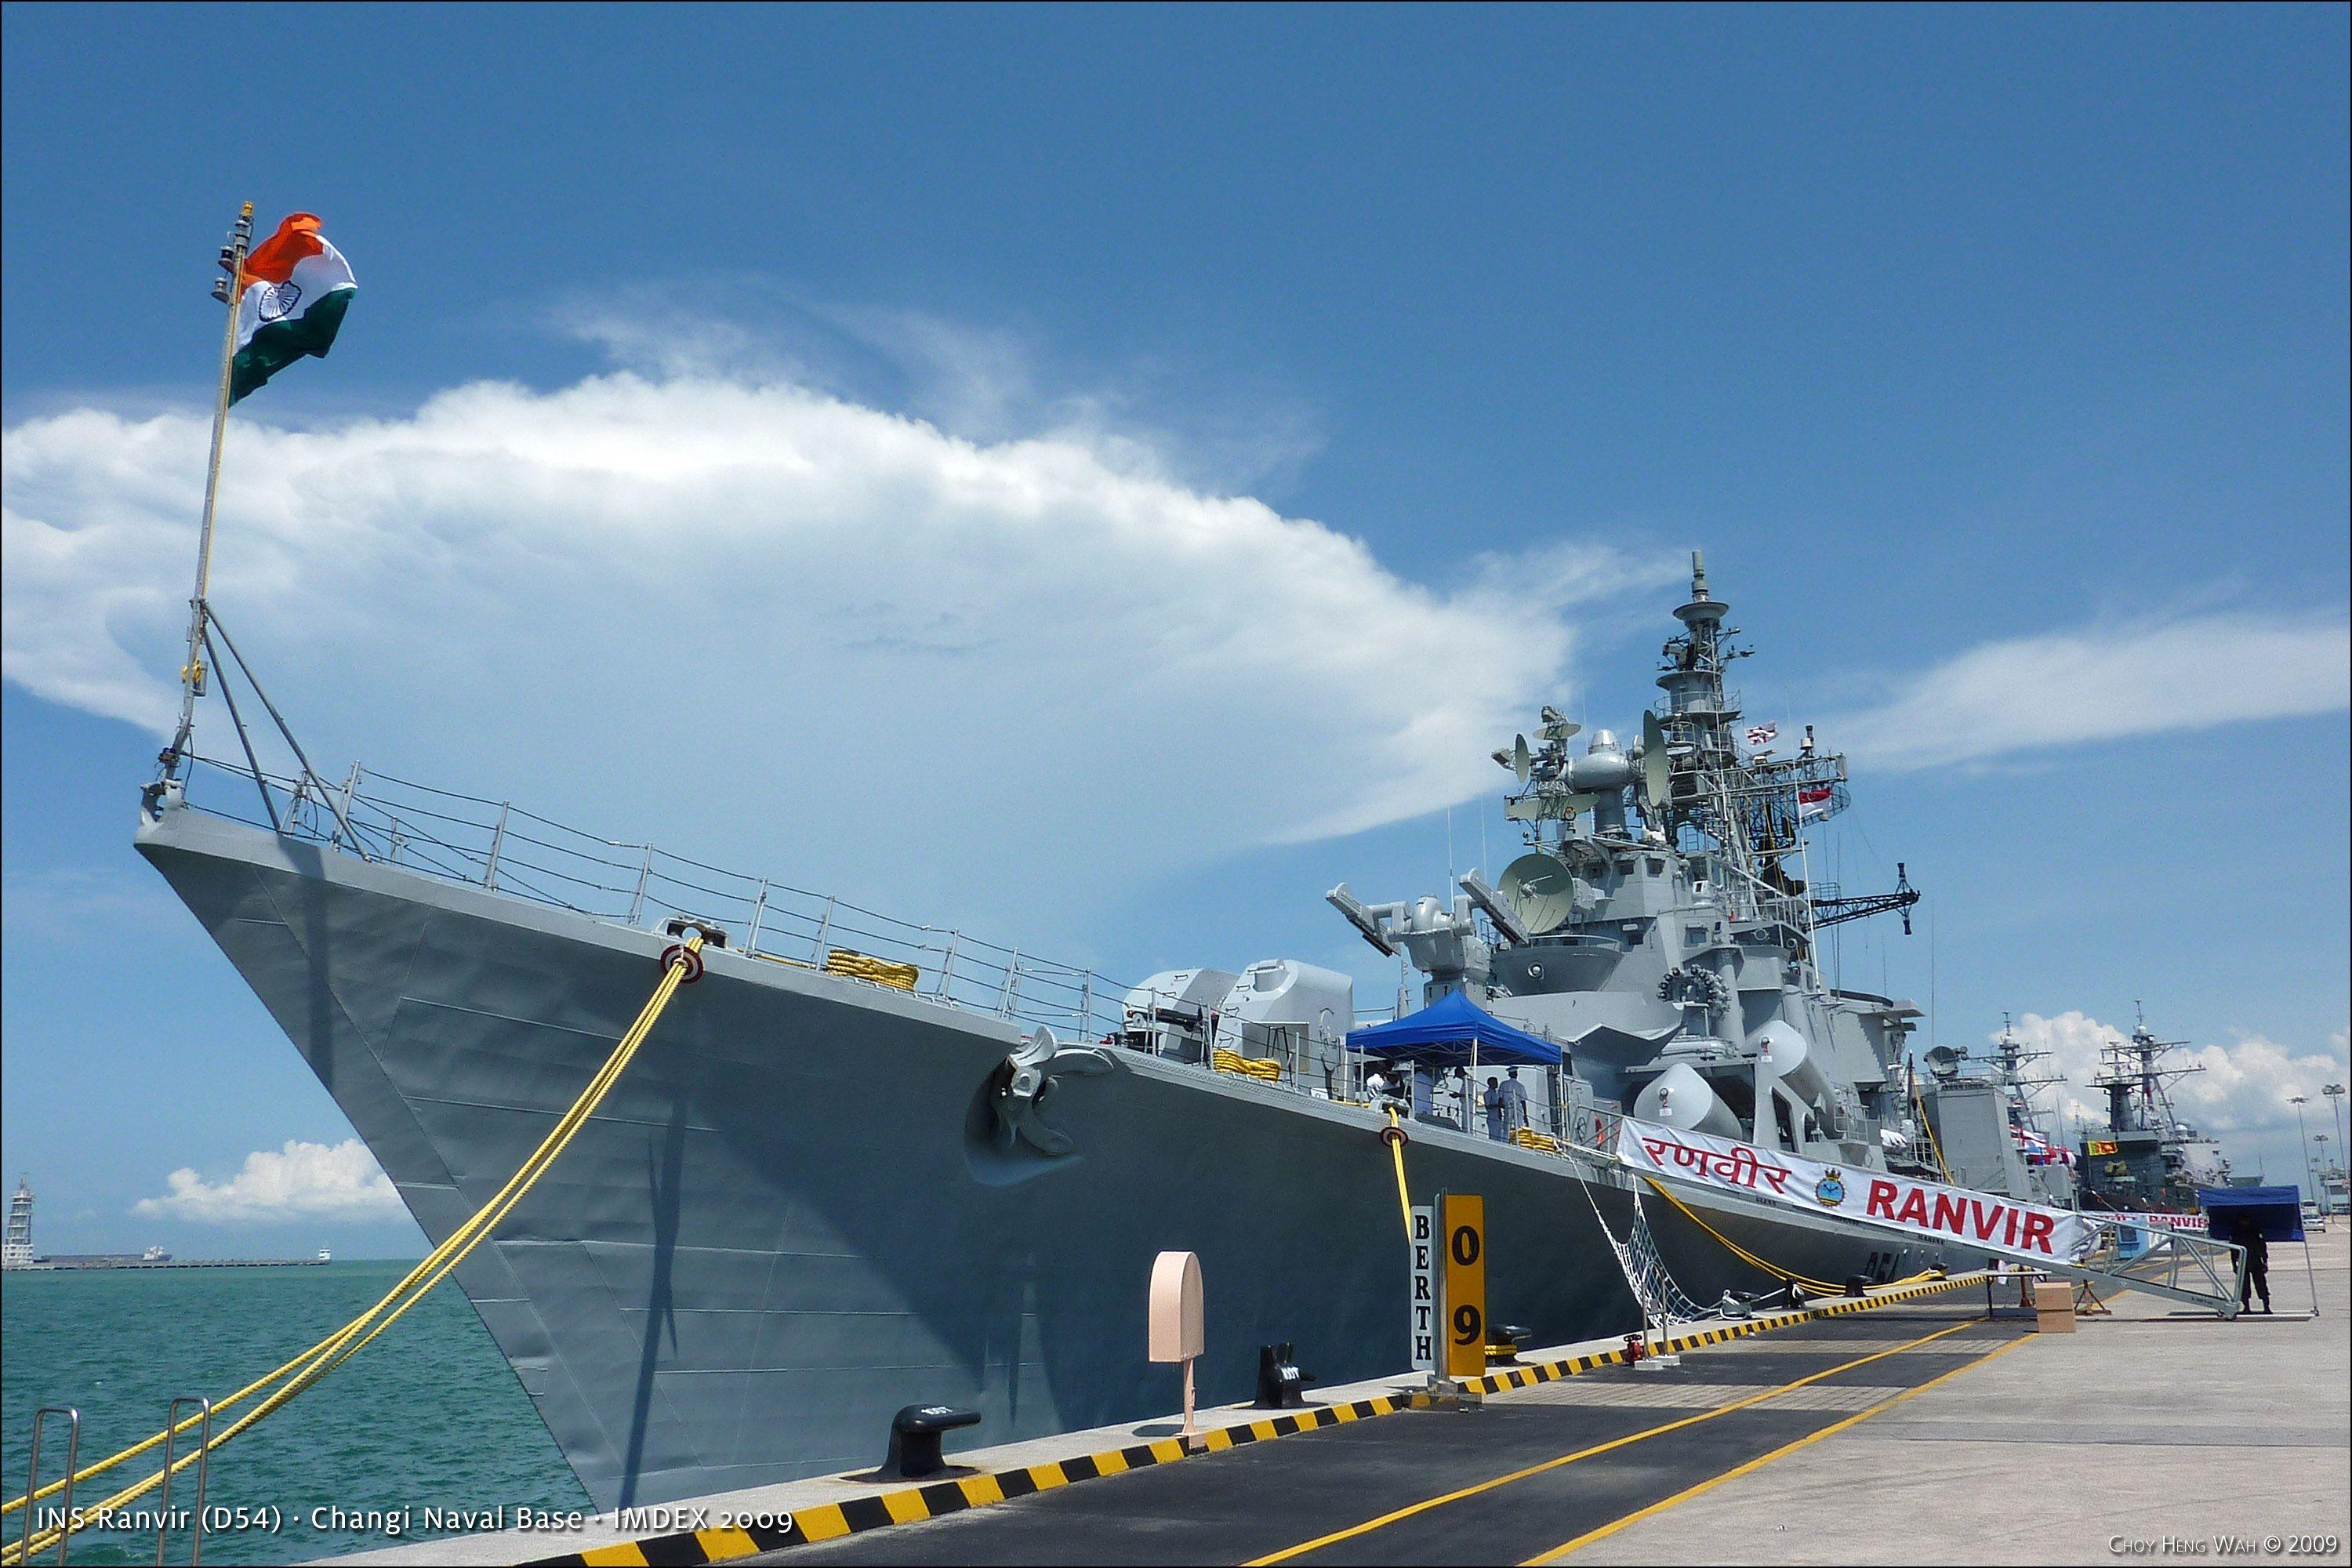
1831, 1188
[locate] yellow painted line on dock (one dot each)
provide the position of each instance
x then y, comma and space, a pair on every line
1752, 1466
1411, 1510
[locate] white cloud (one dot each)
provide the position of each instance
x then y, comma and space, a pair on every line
788, 631
301, 1180
2186, 673
1218, 429
2246, 1086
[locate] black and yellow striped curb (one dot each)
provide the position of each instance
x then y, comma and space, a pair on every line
828, 1522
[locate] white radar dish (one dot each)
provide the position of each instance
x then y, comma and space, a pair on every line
1656, 776
1541, 891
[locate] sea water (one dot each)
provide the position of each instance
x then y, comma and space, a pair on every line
430, 1416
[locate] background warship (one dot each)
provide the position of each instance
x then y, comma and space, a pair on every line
727, 1281
2146, 1159
1978, 1125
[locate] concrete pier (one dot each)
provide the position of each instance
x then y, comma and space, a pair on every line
1909, 1427
2153, 1436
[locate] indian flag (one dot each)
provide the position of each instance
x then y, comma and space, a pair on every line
296, 289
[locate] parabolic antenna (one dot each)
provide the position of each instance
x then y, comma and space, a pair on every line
1558, 726
1522, 762
1944, 1061
1541, 891
1656, 767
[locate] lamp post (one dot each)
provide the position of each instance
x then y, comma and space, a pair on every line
2301, 1137
2334, 1093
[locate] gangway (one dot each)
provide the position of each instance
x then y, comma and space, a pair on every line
1787, 1189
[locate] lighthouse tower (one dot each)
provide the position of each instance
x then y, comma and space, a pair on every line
16, 1252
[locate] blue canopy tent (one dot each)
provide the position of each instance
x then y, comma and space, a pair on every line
1452, 1032
2276, 1212
1449, 1032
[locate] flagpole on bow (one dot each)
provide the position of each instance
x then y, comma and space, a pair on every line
229, 290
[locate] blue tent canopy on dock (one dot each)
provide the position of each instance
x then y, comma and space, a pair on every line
1444, 1033
2278, 1211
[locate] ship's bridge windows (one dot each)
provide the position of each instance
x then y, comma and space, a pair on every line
1693, 936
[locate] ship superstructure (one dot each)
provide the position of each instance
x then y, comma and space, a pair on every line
1663, 928
2146, 1158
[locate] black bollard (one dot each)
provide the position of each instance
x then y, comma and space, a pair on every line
915, 1434
1280, 1384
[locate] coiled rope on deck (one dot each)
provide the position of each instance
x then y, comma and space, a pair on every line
1265, 1069
680, 963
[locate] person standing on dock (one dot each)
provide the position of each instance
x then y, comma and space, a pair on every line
2258, 1264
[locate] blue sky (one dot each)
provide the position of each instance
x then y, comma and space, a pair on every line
1391, 358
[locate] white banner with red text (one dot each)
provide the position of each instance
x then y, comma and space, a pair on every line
2150, 1220
1926, 1209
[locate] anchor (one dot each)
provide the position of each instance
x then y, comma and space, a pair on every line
1025, 1077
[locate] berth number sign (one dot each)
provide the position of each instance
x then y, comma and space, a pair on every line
1463, 1217
1424, 1333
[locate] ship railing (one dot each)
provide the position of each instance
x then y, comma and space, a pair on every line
505, 849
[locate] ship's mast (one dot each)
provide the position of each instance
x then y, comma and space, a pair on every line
1701, 785
1754, 809
2010, 1055
2133, 1074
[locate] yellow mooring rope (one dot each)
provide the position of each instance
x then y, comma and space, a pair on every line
1824, 1286
337, 1347
1394, 1138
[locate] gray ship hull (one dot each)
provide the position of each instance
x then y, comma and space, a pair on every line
789, 1218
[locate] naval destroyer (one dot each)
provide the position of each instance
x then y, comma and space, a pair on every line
2146, 1159
728, 1280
